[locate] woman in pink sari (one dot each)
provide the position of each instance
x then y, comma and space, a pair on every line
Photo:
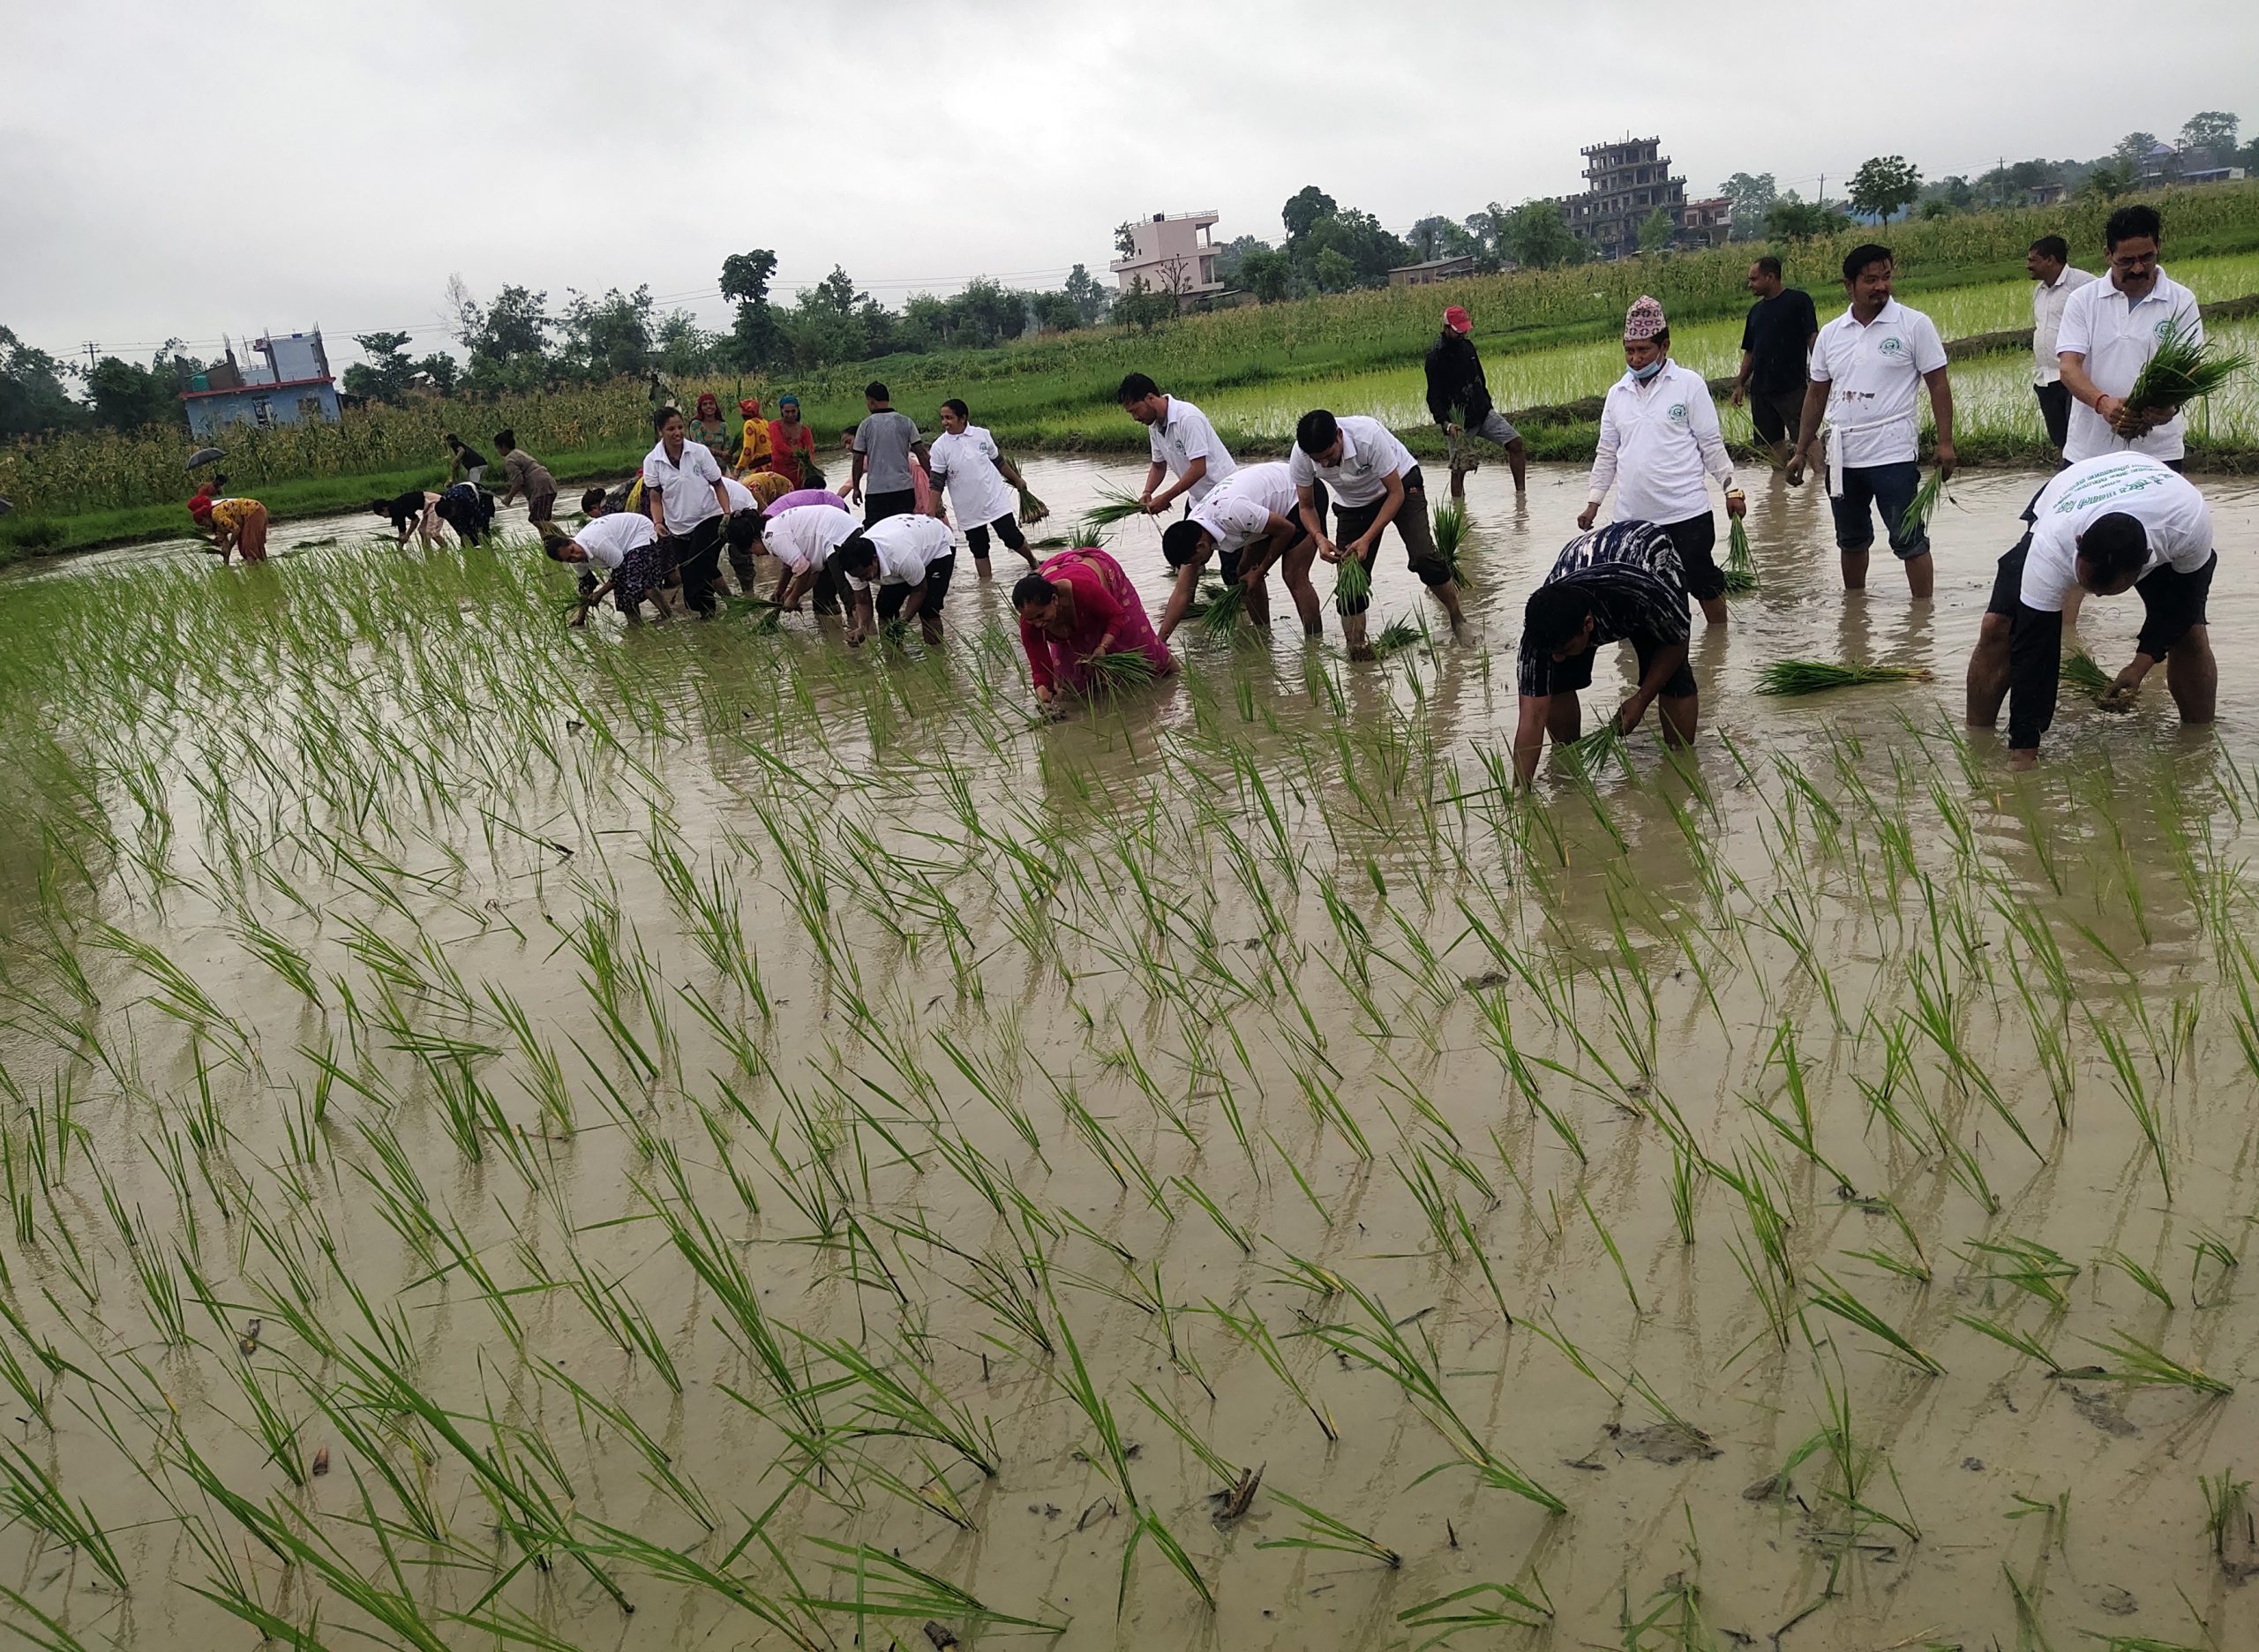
1078, 606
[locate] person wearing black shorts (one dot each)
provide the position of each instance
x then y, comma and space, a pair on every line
1621, 584
984, 485
1775, 344
1659, 440
2116, 522
1250, 523
1373, 481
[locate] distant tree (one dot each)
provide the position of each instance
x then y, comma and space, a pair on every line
1267, 273
508, 341
1358, 237
1937, 206
1057, 312
128, 396
755, 340
684, 348
1087, 294
1656, 231
1438, 237
837, 292
1304, 208
1792, 218
1884, 183
1125, 239
1538, 236
1333, 271
1142, 307
2134, 148
2213, 131
1752, 195
32, 393
440, 368
609, 337
384, 376
2111, 178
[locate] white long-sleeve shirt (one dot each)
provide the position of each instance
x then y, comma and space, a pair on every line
1657, 441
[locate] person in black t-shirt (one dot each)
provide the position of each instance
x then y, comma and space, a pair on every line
1459, 398
1775, 350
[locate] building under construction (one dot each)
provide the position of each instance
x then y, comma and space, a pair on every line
1625, 182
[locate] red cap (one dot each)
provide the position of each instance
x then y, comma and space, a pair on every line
1458, 321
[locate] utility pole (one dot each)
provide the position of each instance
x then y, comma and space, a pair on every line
1823, 189
90, 354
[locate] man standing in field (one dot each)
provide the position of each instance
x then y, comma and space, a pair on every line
1620, 583
2110, 330
980, 482
2116, 522
2053, 282
1775, 345
1184, 445
886, 445
1374, 481
1866, 367
1658, 437
1459, 400
1251, 523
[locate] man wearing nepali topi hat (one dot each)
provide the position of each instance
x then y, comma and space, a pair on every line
1459, 400
1659, 437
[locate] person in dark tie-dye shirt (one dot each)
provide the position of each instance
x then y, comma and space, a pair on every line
1621, 584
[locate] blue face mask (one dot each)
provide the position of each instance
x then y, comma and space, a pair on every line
1642, 374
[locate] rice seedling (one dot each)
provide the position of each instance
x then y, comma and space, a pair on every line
1113, 505
1477, 1606
1353, 583
2140, 1363
2139, 1275
1117, 673
2228, 1511
2007, 1336
1806, 677
1450, 527
1840, 1301
2081, 672
1221, 613
1031, 509
1916, 519
2184, 368
1741, 565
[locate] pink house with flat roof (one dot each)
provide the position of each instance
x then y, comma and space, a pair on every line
1173, 255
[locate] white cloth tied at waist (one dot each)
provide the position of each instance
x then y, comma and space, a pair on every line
1832, 433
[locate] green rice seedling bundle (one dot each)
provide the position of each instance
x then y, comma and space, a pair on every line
1741, 566
2184, 370
2081, 672
1111, 674
1353, 583
1922, 506
1450, 537
1219, 614
1114, 505
1805, 677
1397, 634
1031, 508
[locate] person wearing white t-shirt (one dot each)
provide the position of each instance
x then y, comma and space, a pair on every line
2053, 280
1867, 366
907, 562
802, 537
628, 547
2110, 330
1375, 482
1251, 524
1184, 445
684, 496
2116, 522
979, 481
1659, 437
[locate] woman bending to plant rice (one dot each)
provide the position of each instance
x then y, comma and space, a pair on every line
1621, 584
237, 524
1078, 607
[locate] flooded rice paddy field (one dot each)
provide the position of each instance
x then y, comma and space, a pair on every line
505, 1125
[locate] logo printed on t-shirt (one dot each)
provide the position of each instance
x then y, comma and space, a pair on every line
1677, 414
1893, 346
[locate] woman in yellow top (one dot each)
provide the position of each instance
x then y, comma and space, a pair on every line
753, 441
238, 524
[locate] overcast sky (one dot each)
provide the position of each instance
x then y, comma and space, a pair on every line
170, 169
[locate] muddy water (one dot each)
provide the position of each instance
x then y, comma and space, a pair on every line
1277, 903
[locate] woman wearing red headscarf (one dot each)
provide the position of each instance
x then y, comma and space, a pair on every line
753, 440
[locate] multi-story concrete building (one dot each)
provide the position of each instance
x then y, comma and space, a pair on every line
1624, 184
1173, 255
294, 385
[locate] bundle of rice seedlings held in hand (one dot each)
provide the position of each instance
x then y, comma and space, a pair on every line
1921, 507
1224, 603
1450, 538
1353, 583
1111, 674
2183, 370
2083, 673
1032, 510
1741, 566
1114, 505
1804, 677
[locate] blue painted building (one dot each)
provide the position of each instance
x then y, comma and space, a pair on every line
291, 386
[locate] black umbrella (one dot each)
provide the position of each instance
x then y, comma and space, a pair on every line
203, 456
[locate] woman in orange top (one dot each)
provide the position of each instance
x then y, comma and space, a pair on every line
791, 443
753, 440
238, 524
